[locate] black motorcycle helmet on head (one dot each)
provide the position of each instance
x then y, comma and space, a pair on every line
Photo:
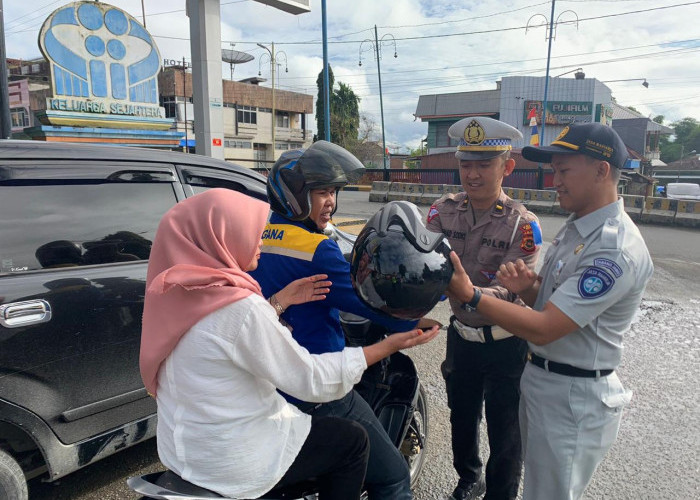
299, 171
399, 267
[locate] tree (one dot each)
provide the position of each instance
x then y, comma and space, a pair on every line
320, 100
687, 138
344, 111
345, 116
659, 119
367, 148
419, 151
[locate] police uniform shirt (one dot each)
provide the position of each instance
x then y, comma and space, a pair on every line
595, 272
506, 233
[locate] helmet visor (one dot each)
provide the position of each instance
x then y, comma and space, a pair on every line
392, 276
326, 164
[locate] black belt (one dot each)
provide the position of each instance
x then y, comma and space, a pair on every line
562, 369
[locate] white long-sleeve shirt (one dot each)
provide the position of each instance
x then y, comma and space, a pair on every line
221, 422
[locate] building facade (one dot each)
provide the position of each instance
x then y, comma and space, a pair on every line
569, 100
247, 117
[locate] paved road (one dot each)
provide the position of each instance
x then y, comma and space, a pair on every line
658, 452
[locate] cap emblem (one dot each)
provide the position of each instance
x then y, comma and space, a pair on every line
474, 133
563, 133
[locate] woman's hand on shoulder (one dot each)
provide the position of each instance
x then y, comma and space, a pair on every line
309, 289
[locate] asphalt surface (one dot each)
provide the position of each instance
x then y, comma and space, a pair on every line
657, 454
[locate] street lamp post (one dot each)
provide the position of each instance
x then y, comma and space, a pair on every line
376, 46
550, 34
273, 64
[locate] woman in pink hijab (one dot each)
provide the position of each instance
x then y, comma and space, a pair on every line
213, 354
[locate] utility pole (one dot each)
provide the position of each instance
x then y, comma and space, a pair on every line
381, 101
5, 122
376, 45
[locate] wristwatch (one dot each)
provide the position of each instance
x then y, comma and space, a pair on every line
471, 305
276, 304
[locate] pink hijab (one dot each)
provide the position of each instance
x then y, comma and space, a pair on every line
197, 265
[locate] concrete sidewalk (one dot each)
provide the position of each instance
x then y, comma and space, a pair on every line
350, 225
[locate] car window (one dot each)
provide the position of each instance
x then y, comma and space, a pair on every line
201, 183
57, 225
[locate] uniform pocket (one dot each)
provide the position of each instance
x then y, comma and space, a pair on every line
616, 402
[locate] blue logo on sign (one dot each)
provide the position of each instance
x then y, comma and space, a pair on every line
97, 50
594, 282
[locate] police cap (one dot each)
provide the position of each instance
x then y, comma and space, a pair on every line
482, 138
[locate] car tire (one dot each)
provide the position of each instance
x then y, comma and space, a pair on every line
13, 485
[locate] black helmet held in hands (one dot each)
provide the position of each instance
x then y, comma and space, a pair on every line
299, 171
398, 266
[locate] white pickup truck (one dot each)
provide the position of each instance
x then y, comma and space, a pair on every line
683, 191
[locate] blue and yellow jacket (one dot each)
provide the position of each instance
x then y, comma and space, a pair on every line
291, 251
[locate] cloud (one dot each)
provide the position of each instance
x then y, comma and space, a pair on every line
443, 46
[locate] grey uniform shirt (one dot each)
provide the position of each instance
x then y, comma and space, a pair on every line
506, 233
595, 272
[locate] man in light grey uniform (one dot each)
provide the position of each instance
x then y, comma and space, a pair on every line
590, 286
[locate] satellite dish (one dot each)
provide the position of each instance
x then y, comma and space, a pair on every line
235, 57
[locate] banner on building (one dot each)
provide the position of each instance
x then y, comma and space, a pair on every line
604, 114
534, 134
559, 112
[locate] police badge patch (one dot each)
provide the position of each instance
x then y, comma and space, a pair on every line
594, 282
532, 237
474, 133
432, 213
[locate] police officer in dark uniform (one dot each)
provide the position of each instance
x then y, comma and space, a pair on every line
484, 361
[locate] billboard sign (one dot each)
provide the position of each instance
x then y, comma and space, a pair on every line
560, 112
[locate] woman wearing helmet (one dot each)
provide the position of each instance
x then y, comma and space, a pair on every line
302, 188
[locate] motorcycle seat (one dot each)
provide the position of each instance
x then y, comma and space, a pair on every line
171, 481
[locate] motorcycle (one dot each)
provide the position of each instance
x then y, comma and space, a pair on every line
391, 387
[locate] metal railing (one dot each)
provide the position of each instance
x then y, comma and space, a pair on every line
522, 178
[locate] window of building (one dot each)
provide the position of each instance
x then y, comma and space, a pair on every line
247, 114
234, 143
442, 139
19, 117
282, 119
295, 145
282, 146
169, 103
265, 110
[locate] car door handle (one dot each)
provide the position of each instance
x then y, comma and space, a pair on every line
30, 312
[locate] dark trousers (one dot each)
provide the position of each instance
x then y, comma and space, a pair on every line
336, 453
388, 477
487, 375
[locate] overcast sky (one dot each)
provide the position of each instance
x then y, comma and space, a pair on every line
443, 46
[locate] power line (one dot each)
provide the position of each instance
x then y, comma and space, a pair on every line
500, 30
